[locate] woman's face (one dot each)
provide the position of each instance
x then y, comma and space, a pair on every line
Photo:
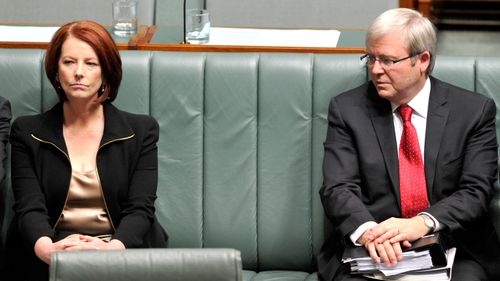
79, 70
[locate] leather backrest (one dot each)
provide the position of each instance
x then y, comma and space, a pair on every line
241, 139
238, 133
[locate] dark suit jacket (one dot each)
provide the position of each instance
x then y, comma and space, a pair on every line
361, 181
128, 170
5, 117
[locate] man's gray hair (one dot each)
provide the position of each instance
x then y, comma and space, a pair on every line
416, 30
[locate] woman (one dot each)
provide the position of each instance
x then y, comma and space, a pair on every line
84, 174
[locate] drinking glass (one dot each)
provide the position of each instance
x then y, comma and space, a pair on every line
197, 26
125, 17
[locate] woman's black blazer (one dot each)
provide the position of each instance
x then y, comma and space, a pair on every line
127, 165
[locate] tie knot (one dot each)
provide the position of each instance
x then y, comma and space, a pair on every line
405, 112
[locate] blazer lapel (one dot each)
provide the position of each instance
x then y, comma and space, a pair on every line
437, 116
51, 127
381, 116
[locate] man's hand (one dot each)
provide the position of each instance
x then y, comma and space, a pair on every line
386, 240
400, 230
388, 253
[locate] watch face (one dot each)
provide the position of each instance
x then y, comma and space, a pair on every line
428, 221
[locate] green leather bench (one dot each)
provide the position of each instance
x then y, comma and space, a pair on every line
148, 265
241, 143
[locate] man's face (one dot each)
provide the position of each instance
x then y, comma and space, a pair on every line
398, 82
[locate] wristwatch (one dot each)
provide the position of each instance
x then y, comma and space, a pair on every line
429, 222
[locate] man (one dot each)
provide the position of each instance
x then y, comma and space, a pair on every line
407, 155
5, 117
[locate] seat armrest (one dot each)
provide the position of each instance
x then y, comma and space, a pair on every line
147, 265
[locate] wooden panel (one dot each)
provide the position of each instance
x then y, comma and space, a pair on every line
407, 4
354, 46
424, 6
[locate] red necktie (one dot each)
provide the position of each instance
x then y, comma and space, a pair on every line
412, 185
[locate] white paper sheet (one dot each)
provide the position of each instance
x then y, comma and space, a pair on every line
411, 261
433, 274
274, 37
10, 33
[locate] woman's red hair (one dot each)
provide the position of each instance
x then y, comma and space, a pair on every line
103, 45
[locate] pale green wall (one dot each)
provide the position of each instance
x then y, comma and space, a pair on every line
60, 11
169, 12
256, 13
297, 13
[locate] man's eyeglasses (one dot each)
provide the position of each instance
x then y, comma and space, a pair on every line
384, 62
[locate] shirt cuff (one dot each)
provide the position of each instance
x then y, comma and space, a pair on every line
360, 230
436, 223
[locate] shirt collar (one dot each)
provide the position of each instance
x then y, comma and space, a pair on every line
420, 103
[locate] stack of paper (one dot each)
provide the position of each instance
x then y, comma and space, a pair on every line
9, 33
415, 266
411, 261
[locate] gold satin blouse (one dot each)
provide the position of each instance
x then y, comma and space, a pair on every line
85, 210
